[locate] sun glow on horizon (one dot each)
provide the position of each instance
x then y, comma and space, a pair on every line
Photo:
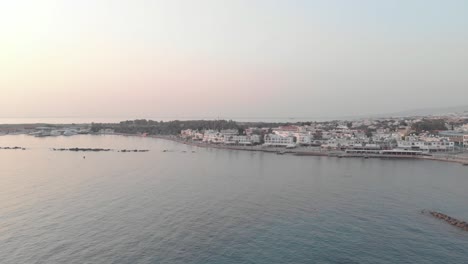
240, 57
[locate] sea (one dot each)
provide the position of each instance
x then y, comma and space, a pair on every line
185, 204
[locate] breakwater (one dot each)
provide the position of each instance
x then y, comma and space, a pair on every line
13, 148
453, 221
98, 150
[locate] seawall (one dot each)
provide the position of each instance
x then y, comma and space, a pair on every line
301, 152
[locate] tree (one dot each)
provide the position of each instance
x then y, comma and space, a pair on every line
429, 125
318, 135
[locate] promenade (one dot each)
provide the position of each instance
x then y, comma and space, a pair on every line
316, 151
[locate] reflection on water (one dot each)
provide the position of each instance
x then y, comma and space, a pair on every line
221, 206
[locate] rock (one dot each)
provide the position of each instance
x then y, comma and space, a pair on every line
453, 221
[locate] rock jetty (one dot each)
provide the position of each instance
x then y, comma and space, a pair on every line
133, 150
455, 222
81, 149
99, 149
13, 148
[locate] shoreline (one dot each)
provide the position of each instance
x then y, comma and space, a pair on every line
301, 151
295, 152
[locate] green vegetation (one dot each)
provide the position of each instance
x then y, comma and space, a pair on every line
174, 127
164, 128
429, 125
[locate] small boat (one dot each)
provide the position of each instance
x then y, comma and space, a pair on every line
281, 152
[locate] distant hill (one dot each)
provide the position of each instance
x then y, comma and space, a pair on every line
428, 111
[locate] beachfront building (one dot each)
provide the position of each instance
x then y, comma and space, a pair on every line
241, 139
434, 144
304, 139
335, 144
465, 141
191, 134
255, 139
454, 136
365, 147
212, 136
429, 144
278, 140
186, 133
344, 143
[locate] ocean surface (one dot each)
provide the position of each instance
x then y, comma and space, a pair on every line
195, 205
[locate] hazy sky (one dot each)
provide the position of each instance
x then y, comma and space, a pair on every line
257, 58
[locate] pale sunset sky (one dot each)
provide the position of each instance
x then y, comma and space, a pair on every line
230, 58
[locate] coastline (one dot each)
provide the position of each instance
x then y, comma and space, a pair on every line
300, 152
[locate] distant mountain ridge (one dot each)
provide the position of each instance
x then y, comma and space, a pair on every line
428, 111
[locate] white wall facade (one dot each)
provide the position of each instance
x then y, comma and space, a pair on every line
277, 140
441, 145
304, 139
241, 140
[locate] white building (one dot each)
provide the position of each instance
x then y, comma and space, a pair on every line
304, 139
255, 139
277, 140
241, 140
191, 134
187, 133
212, 136
428, 144
339, 143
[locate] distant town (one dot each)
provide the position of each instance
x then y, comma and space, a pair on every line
426, 134
429, 135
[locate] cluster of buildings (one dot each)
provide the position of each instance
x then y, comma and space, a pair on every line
225, 136
363, 136
426, 143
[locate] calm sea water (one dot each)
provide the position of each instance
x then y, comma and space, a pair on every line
220, 206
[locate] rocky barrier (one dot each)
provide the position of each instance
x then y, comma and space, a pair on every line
81, 149
455, 222
98, 150
13, 148
133, 150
